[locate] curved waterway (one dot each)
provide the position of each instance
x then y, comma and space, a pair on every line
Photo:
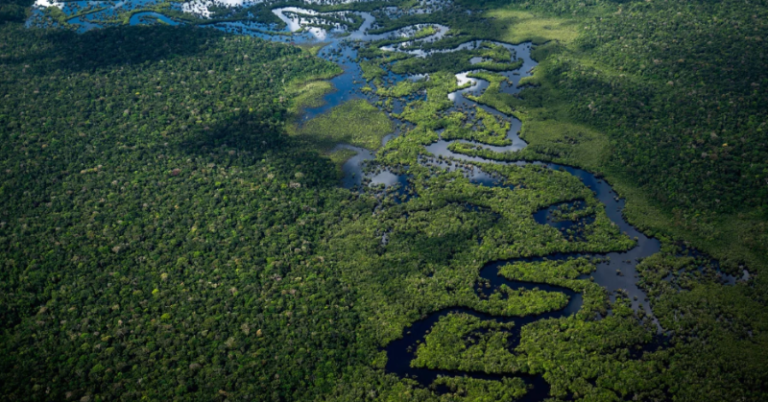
615, 272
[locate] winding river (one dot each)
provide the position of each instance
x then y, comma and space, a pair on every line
349, 84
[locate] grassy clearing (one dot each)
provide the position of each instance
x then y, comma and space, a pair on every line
313, 49
356, 122
551, 140
552, 134
522, 26
570, 143
308, 95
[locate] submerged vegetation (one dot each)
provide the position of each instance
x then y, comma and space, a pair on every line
172, 226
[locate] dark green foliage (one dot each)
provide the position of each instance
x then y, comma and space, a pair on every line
453, 62
14, 10
160, 226
476, 390
590, 359
162, 238
719, 331
466, 343
155, 223
686, 107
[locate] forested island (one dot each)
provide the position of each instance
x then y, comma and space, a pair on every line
384, 200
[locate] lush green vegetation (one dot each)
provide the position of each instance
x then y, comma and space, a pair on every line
466, 343
619, 67
307, 95
146, 178
612, 101
486, 128
717, 328
169, 230
563, 274
356, 122
590, 359
14, 10
156, 233
475, 390
402, 88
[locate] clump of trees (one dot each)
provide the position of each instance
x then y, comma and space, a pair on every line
14, 10
466, 343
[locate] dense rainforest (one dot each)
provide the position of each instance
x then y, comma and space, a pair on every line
173, 227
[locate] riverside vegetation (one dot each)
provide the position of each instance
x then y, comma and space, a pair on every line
171, 229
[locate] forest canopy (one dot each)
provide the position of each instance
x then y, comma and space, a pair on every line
172, 228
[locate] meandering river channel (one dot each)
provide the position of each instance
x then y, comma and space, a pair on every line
349, 85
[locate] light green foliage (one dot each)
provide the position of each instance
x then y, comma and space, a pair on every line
402, 88
452, 62
339, 157
488, 129
406, 149
428, 113
466, 343
664, 114
445, 236
566, 212
518, 26
565, 143
562, 273
464, 389
496, 53
371, 70
307, 95
313, 49
424, 32
57, 15
493, 96
356, 122
497, 58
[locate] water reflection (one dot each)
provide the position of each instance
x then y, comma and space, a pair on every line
149, 17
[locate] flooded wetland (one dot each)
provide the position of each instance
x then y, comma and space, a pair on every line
481, 258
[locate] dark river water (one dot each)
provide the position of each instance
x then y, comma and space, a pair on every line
617, 271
